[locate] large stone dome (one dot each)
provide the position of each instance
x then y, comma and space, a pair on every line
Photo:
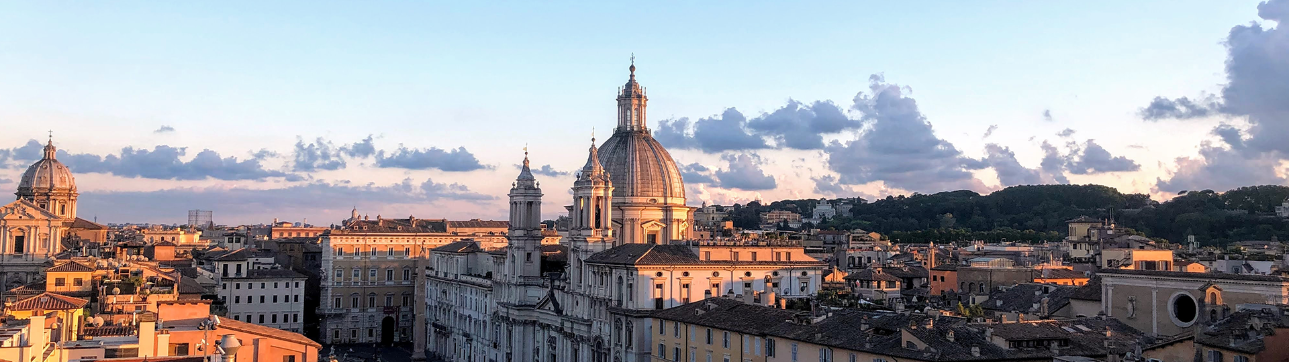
640, 167
46, 175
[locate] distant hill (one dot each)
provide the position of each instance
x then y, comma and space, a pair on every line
1036, 213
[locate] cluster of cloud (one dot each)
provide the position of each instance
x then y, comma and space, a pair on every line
166, 162
316, 196
895, 144
1257, 90
742, 172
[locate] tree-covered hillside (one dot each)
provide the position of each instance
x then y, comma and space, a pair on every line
1036, 213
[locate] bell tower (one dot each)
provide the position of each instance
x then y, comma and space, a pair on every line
523, 262
591, 230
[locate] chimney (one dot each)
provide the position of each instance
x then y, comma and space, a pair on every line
863, 324
975, 351
148, 335
989, 333
950, 336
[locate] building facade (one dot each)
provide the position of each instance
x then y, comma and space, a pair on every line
268, 297
369, 271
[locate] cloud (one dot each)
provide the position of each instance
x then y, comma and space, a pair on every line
1180, 108
1093, 159
1047, 115
316, 156
164, 163
744, 173
30, 152
1222, 168
458, 159
5, 180
164, 129
360, 149
827, 185
899, 147
171, 204
545, 170
1010, 172
800, 126
695, 173
990, 131
726, 132
1257, 90
1053, 163
1065, 133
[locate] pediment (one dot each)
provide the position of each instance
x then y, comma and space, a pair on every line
550, 304
652, 225
25, 210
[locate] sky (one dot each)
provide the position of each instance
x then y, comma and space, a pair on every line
305, 110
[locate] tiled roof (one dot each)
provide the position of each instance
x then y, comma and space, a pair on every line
1028, 298
69, 267
80, 223
477, 224
107, 331
381, 225
49, 301
1089, 291
266, 331
646, 254
1060, 274
459, 247
273, 274
728, 314
871, 274
190, 286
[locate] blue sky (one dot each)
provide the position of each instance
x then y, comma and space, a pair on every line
484, 79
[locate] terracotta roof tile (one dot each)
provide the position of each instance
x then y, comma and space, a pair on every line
70, 267
49, 301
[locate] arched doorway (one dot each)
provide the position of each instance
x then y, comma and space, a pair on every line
387, 326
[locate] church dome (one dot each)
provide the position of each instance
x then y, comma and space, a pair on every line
639, 166
46, 175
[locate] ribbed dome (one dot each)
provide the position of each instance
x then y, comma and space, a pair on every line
47, 175
639, 167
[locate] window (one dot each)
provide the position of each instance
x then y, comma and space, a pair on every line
662, 328
81, 282
371, 274
1214, 355
825, 354
275, 285
769, 348
725, 339
407, 300
389, 300
371, 300
407, 251
662, 351
250, 285
178, 349
407, 274
353, 302
274, 318
261, 299
675, 354
335, 334
60, 282
297, 298
794, 352
1240, 358
336, 304
675, 329
237, 299
709, 336
261, 318
746, 345
357, 274
389, 274
389, 251
340, 274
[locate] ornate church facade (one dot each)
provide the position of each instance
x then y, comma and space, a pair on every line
629, 252
42, 222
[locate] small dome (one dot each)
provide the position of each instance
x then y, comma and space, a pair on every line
47, 175
639, 166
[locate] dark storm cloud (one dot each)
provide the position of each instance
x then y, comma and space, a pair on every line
744, 173
164, 129
165, 204
1180, 108
899, 147
695, 173
800, 126
457, 159
314, 156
